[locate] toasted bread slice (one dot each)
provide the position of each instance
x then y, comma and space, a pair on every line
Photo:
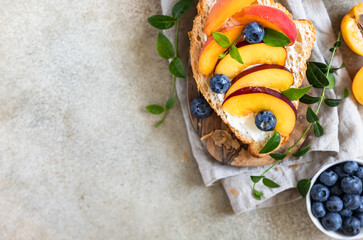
244, 127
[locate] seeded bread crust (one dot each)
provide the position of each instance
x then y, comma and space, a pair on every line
298, 54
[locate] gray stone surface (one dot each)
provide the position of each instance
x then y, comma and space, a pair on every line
79, 158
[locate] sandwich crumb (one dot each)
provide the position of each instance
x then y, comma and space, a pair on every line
277, 168
229, 208
234, 191
206, 136
294, 166
197, 149
223, 138
185, 157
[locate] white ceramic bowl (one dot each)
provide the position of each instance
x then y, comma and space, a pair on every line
315, 220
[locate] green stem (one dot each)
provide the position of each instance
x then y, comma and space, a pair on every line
322, 96
172, 92
176, 55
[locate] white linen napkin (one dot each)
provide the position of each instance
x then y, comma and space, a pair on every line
343, 138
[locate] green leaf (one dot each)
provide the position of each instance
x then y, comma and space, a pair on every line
170, 103
269, 183
235, 54
272, 143
275, 38
278, 156
177, 69
161, 21
257, 194
256, 179
159, 123
335, 102
295, 93
337, 44
324, 68
331, 80
222, 39
303, 187
155, 109
222, 55
346, 93
311, 115
336, 69
315, 76
302, 152
318, 129
164, 47
181, 7
307, 99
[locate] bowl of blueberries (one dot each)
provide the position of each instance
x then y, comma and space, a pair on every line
335, 200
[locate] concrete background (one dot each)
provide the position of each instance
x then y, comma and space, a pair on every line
79, 157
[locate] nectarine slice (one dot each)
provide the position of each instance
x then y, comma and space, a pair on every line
269, 17
221, 11
357, 86
270, 76
352, 29
254, 99
259, 53
209, 56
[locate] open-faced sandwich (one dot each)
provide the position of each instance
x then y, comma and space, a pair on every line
244, 53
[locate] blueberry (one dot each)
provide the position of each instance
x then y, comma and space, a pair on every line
219, 83
351, 202
328, 178
351, 226
200, 108
360, 218
334, 204
351, 185
332, 221
318, 209
359, 172
265, 121
253, 32
320, 193
360, 208
336, 190
346, 212
350, 167
340, 171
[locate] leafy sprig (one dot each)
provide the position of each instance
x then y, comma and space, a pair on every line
224, 41
167, 51
321, 76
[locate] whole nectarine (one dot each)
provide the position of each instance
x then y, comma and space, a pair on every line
357, 86
352, 29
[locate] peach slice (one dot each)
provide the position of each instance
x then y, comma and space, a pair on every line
221, 11
269, 17
352, 29
209, 56
259, 53
270, 76
357, 86
254, 99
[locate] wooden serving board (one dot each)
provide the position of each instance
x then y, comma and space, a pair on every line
240, 156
